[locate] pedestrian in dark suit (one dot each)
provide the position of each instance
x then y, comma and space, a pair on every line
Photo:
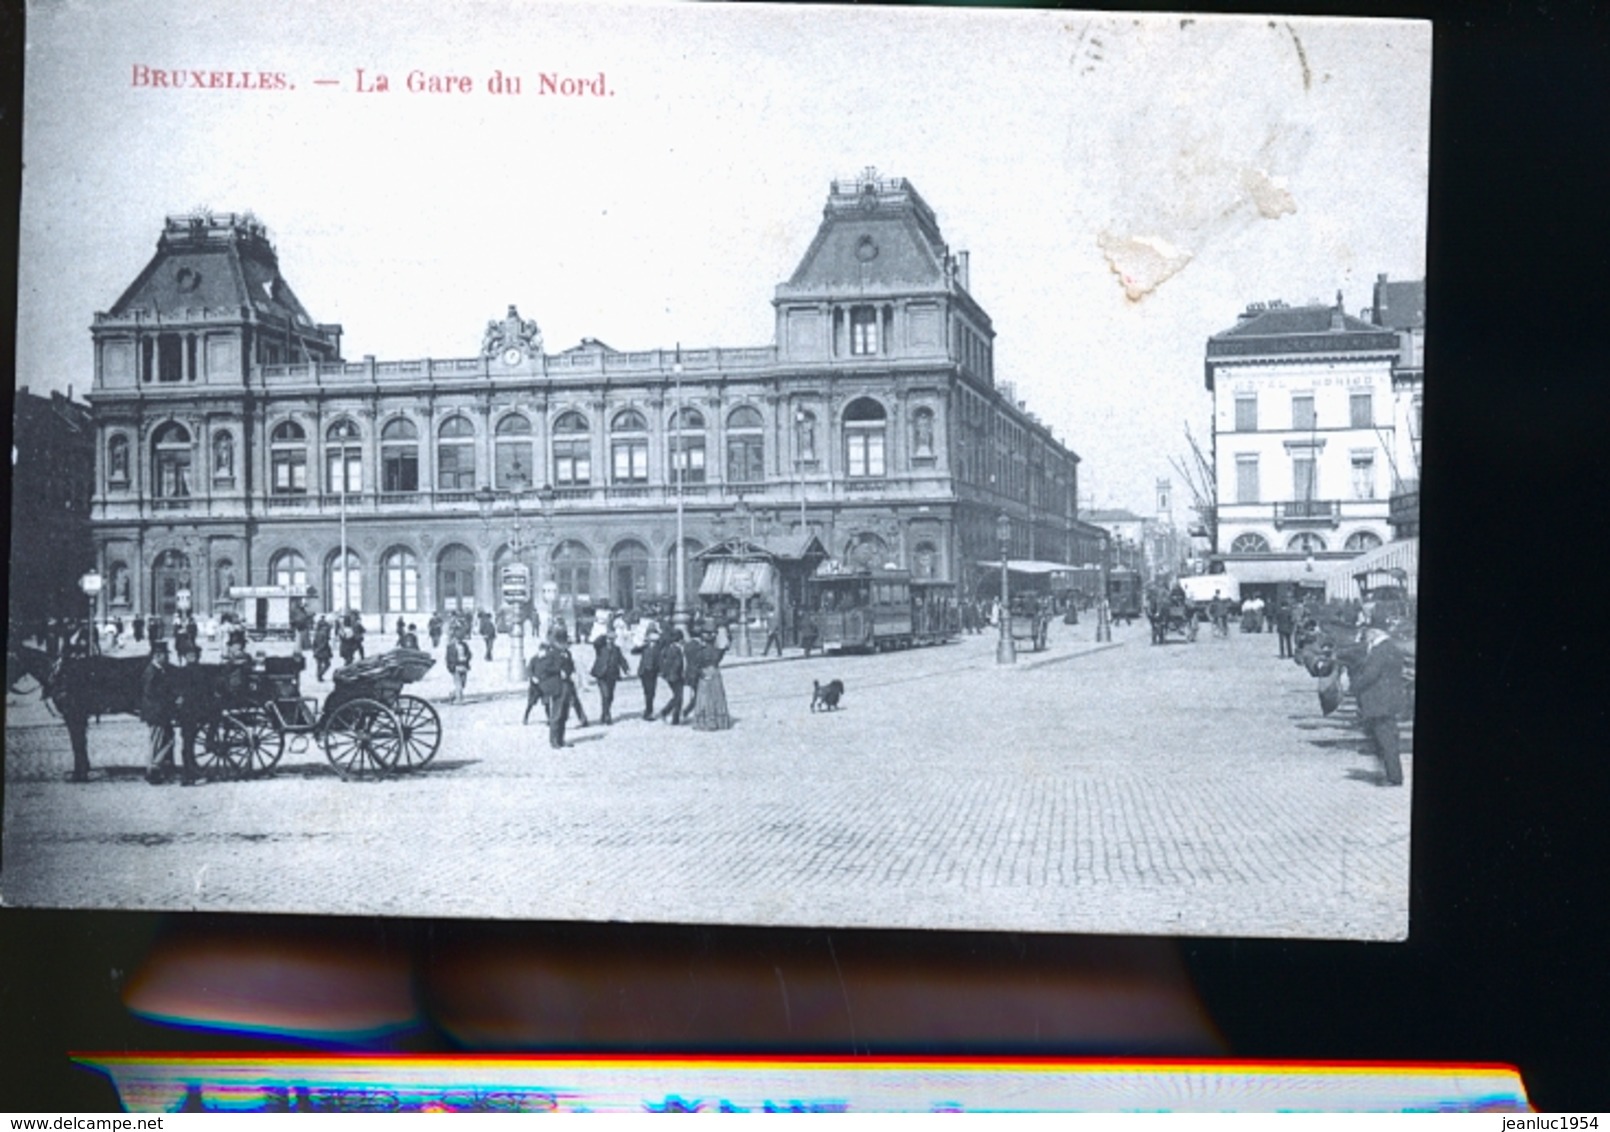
648, 667
1285, 622
553, 687
774, 631
609, 665
672, 666
156, 709
193, 699
1377, 682
539, 673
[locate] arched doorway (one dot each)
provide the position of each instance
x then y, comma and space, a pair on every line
628, 575
455, 579
170, 575
573, 576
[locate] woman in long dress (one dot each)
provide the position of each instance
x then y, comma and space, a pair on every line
710, 708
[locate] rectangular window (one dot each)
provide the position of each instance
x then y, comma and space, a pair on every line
290, 473
1363, 475
744, 459
1302, 412
1246, 479
1304, 479
1246, 413
1414, 419
339, 461
402, 588
864, 454
572, 463
687, 455
631, 461
455, 467
1362, 410
401, 470
863, 330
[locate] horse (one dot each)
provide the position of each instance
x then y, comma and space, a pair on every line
77, 687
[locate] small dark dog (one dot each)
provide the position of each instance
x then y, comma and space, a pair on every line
825, 697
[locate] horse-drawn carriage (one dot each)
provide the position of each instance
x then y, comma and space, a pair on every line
367, 724
1171, 615
1031, 621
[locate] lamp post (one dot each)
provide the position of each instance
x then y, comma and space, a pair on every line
1006, 649
799, 468
90, 583
679, 612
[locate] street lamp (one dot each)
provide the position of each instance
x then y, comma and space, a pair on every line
799, 467
679, 613
91, 583
1006, 650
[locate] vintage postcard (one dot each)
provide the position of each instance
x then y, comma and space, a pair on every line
762, 465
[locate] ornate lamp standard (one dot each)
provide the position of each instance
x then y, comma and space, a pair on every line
1006, 650
91, 583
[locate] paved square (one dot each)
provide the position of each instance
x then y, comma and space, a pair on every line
1123, 788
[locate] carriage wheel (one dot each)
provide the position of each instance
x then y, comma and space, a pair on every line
362, 738
421, 732
243, 742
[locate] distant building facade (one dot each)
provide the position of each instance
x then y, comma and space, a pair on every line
52, 477
1305, 422
238, 444
1401, 307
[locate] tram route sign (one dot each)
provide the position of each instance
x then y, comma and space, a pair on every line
516, 583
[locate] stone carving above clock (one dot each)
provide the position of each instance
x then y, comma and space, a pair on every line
512, 340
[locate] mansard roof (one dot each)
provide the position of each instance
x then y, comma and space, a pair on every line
215, 262
878, 237
1275, 329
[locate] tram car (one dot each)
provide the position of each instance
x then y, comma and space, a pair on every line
875, 609
1125, 596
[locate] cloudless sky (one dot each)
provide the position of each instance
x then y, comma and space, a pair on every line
1260, 157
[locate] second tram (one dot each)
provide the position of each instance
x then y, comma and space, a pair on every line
876, 609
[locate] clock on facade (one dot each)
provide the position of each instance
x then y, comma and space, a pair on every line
512, 356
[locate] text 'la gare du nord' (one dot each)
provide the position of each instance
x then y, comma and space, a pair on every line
371, 82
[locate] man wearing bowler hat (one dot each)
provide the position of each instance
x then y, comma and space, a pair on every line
1377, 682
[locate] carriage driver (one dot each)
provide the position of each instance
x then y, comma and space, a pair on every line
192, 702
156, 709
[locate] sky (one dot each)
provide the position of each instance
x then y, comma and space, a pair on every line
1125, 184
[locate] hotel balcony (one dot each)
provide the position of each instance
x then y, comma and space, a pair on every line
1308, 513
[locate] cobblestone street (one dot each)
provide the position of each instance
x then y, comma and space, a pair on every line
1123, 788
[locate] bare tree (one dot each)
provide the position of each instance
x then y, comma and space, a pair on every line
1200, 477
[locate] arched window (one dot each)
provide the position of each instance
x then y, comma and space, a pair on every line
922, 434
170, 458
170, 575
572, 451
1306, 542
117, 460
288, 568
287, 447
1360, 541
343, 458
455, 455
865, 428
746, 445
867, 551
343, 582
628, 575
512, 446
686, 447
628, 447
455, 579
573, 575
1249, 544
399, 581
399, 456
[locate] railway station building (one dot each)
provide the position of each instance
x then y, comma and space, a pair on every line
237, 447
